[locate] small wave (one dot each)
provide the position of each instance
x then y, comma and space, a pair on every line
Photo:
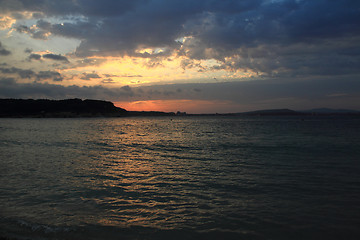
24, 230
34, 227
12, 228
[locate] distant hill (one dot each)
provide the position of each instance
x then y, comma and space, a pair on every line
330, 111
289, 112
272, 112
59, 108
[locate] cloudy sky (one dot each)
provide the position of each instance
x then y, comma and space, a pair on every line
196, 56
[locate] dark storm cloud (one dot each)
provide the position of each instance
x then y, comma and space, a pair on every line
284, 37
4, 51
56, 57
336, 58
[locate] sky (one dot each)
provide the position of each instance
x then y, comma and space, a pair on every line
203, 56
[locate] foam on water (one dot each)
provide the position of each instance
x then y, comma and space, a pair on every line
186, 178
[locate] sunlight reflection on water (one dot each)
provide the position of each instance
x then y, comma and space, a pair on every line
205, 174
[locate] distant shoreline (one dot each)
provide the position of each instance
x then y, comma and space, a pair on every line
77, 108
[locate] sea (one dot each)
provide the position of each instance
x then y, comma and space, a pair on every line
186, 177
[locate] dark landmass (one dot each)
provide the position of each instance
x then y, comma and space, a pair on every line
70, 108
331, 111
289, 112
273, 112
58, 108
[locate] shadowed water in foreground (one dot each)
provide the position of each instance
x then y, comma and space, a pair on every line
181, 178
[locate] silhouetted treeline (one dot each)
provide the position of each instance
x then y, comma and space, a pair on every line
58, 108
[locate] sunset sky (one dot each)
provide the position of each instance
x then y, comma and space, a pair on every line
198, 56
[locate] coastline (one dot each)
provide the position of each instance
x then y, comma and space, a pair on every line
77, 108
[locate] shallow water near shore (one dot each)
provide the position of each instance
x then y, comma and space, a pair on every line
180, 178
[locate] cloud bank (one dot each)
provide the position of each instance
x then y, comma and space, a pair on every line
293, 37
306, 50
249, 95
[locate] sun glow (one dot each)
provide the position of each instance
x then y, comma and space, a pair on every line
137, 71
183, 105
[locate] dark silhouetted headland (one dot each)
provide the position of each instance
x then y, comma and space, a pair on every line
59, 108
68, 108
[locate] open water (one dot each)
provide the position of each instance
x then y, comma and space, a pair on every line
180, 178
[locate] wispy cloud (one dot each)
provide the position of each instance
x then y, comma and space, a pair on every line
30, 74
34, 56
88, 76
56, 57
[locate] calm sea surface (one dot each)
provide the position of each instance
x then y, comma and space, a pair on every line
180, 178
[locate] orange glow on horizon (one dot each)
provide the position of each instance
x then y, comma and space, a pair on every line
183, 105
